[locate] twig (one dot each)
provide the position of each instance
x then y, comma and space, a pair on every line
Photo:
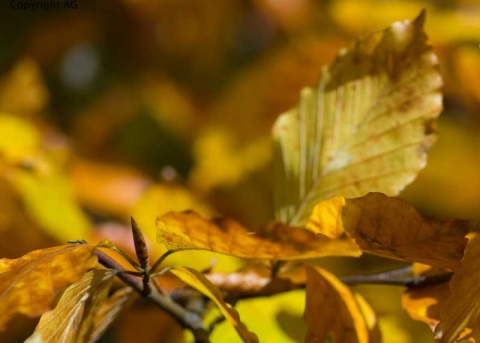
186, 319
397, 277
251, 285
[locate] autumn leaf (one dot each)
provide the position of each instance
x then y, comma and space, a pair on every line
188, 230
21, 144
72, 319
461, 308
391, 228
29, 284
423, 303
109, 310
198, 281
367, 127
107, 188
22, 90
334, 313
280, 314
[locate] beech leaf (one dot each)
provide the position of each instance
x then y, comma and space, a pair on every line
367, 127
391, 228
30, 283
188, 230
72, 320
109, 310
334, 313
461, 308
198, 281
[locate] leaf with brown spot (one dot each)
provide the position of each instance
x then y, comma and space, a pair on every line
188, 230
335, 313
391, 228
29, 284
367, 127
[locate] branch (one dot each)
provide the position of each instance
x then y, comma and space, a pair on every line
186, 319
251, 285
396, 277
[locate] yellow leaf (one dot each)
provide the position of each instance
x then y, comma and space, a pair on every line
391, 228
72, 320
461, 308
198, 281
162, 198
280, 242
281, 319
335, 313
46, 191
367, 127
447, 24
218, 146
23, 91
18, 138
29, 284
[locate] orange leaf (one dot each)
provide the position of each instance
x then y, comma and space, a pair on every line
29, 284
188, 230
391, 228
335, 313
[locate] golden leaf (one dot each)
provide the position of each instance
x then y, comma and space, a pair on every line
367, 127
29, 284
46, 191
391, 228
188, 230
335, 313
198, 281
461, 308
72, 320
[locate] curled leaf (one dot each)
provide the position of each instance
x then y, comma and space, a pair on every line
334, 313
72, 320
29, 284
187, 230
367, 127
198, 281
391, 228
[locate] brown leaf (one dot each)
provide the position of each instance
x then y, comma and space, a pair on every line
335, 313
29, 284
188, 230
422, 303
72, 320
461, 308
109, 310
391, 228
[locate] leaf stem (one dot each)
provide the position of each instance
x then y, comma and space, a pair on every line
186, 319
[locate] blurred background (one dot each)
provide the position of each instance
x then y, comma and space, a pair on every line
115, 108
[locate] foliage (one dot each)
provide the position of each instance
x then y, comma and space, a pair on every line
187, 152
